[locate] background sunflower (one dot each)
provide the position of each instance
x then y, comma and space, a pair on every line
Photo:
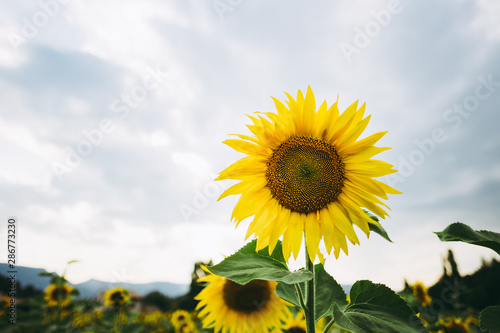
230, 307
56, 295
116, 296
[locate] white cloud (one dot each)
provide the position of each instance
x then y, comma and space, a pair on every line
160, 138
487, 19
193, 162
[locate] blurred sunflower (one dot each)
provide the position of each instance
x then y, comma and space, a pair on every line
82, 319
453, 325
307, 172
152, 318
58, 295
4, 305
179, 317
230, 307
116, 296
187, 327
421, 293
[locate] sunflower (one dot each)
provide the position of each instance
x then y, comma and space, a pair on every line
234, 308
180, 317
453, 325
307, 172
116, 296
187, 327
4, 305
80, 320
58, 295
421, 294
151, 318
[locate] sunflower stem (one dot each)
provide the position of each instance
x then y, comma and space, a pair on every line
300, 297
310, 297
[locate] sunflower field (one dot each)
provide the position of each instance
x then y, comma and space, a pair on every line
452, 304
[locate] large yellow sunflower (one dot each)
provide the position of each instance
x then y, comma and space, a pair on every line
230, 307
307, 172
58, 295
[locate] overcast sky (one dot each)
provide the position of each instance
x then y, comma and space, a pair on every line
113, 115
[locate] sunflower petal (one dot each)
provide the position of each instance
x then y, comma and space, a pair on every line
279, 228
245, 147
342, 123
312, 235
361, 145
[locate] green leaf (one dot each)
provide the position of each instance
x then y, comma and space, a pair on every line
289, 293
459, 232
489, 319
250, 248
376, 308
134, 328
378, 229
247, 265
370, 215
328, 293
58, 280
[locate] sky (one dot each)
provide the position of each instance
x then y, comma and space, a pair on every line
113, 115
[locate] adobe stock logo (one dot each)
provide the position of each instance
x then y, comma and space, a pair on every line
363, 37
453, 118
31, 26
122, 108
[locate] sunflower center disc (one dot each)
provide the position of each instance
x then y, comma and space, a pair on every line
59, 293
116, 297
296, 330
305, 174
251, 297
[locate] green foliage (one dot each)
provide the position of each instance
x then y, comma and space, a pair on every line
54, 278
134, 328
459, 232
328, 292
288, 292
376, 228
490, 319
376, 308
157, 299
247, 265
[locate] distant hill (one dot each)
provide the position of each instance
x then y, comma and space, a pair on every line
27, 276
92, 287
30, 276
